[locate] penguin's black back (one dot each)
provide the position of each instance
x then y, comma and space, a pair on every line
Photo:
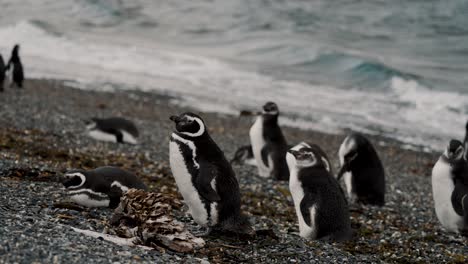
368, 179
116, 123
460, 181
100, 179
332, 215
277, 145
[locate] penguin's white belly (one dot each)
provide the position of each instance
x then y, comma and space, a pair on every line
185, 185
258, 142
297, 192
442, 188
128, 138
103, 136
85, 200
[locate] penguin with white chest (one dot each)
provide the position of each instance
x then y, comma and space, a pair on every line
114, 129
101, 187
204, 176
269, 146
362, 169
450, 188
320, 204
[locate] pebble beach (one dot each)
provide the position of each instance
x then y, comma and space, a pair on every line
42, 134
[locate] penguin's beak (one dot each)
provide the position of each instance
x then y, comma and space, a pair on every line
175, 119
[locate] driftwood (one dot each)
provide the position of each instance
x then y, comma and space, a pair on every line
148, 218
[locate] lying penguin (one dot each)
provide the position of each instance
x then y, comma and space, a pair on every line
244, 155
114, 129
101, 187
204, 177
362, 169
450, 188
321, 206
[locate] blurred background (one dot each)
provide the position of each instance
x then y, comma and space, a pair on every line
394, 68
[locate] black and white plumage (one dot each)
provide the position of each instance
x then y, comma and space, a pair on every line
450, 188
204, 176
362, 169
244, 155
15, 62
268, 144
320, 204
101, 187
2, 72
114, 129
465, 141
320, 154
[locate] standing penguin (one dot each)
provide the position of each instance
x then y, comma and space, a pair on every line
101, 187
2, 72
114, 129
450, 188
362, 169
269, 145
15, 62
204, 176
321, 206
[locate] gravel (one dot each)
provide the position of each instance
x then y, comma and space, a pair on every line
41, 135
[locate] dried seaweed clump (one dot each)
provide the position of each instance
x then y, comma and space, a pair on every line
148, 217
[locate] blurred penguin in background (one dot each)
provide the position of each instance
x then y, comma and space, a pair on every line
15, 62
2, 72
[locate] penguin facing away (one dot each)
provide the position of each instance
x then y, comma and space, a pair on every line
204, 176
114, 129
362, 169
320, 204
15, 62
269, 146
244, 155
101, 187
450, 188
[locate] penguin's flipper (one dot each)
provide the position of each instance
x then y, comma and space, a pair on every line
265, 152
458, 197
114, 197
464, 202
307, 202
203, 181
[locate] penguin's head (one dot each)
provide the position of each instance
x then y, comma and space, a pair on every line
348, 150
73, 179
189, 124
270, 108
91, 123
454, 151
303, 157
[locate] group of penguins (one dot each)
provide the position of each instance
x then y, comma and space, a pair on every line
210, 189
17, 76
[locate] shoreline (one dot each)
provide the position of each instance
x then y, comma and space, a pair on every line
41, 135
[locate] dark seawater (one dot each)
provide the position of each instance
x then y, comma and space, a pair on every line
396, 68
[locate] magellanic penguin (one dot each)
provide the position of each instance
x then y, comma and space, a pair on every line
268, 144
15, 62
204, 176
101, 187
362, 169
114, 129
321, 206
244, 155
450, 188
319, 154
2, 72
